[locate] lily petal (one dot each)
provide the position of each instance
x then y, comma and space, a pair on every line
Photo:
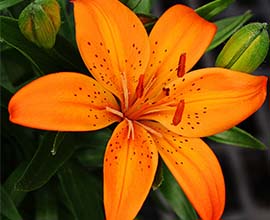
195, 168
115, 48
63, 102
215, 100
129, 170
179, 30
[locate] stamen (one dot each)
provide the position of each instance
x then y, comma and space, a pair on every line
178, 113
116, 112
125, 89
181, 65
130, 129
139, 89
149, 129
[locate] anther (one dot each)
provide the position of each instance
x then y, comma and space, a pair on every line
181, 65
139, 89
178, 113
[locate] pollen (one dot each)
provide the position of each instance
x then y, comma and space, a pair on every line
181, 65
178, 113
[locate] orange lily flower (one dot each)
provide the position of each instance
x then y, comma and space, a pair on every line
141, 83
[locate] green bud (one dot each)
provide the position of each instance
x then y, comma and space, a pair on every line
40, 21
246, 49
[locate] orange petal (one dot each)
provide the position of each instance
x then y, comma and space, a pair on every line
129, 170
215, 99
112, 42
63, 102
179, 31
195, 168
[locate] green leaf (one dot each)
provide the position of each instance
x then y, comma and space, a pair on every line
16, 70
238, 137
46, 204
44, 165
176, 197
139, 6
18, 139
227, 26
8, 3
9, 185
8, 208
91, 147
83, 192
61, 58
213, 8
5, 95
67, 29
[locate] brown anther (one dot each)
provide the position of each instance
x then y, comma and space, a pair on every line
139, 89
178, 113
181, 65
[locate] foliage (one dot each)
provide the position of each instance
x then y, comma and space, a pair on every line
47, 175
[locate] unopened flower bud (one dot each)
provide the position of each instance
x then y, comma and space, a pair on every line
40, 21
246, 49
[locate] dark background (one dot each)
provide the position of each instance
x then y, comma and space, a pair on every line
246, 171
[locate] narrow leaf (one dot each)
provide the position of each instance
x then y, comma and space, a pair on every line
8, 3
9, 185
44, 165
238, 137
213, 8
91, 147
67, 29
8, 208
16, 70
83, 191
227, 26
176, 197
46, 204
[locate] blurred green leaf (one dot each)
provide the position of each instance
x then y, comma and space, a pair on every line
67, 29
227, 26
46, 204
148, 21
176, 197
83, 191
8, 3
9, 185
213, 8
91, 147
44, 165
139, 6
238, 137
5, 96
16, 70
62, 57
158, 180
91, 157
8, 207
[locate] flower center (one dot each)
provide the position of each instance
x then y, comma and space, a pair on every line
138, 110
